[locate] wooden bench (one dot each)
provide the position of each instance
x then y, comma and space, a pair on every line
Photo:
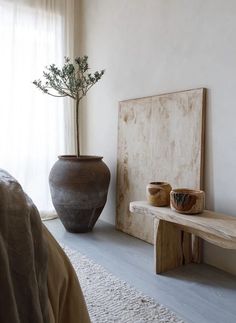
176, 235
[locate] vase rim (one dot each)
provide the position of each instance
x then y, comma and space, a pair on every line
159, 183
81, 157
187, 191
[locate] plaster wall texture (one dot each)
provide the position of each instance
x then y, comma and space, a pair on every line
160, 46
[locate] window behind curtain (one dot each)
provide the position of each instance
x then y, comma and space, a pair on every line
32, 131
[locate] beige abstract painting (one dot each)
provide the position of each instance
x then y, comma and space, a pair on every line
160, 138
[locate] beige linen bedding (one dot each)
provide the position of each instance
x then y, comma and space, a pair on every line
37, 281
66, 301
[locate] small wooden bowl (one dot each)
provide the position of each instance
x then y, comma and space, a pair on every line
158, 193
187, 201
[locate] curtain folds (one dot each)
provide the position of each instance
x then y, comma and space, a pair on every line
34, 128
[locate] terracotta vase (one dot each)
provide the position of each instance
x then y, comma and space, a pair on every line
158, 193
187, 201
79, 187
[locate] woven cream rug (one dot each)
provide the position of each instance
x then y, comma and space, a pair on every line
111, 300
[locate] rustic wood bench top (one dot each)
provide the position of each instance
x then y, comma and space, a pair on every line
217, 228
217, 224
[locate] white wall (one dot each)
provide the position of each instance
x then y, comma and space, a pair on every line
155, 46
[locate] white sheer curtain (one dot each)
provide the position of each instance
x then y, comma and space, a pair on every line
34, 128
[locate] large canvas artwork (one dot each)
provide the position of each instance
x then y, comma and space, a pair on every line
160, 138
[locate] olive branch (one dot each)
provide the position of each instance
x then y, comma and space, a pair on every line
72, 80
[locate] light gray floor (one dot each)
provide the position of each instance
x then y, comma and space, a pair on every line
197, 293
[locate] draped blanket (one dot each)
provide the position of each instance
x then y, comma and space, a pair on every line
37, 282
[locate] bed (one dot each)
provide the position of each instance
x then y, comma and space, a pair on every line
37, 282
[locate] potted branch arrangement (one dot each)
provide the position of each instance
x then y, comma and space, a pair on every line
78, 183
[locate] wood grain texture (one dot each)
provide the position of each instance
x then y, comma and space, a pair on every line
197, 246
187, 247
187, 201
158, 193
168, 247
160, 138
172, 247
216, 228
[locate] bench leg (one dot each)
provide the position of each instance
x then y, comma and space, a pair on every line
172, 246
197, 249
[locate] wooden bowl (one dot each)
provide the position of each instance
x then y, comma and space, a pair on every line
187, 201
158, 193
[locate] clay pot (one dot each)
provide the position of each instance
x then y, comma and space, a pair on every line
79, 187
158, 193
187, 201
